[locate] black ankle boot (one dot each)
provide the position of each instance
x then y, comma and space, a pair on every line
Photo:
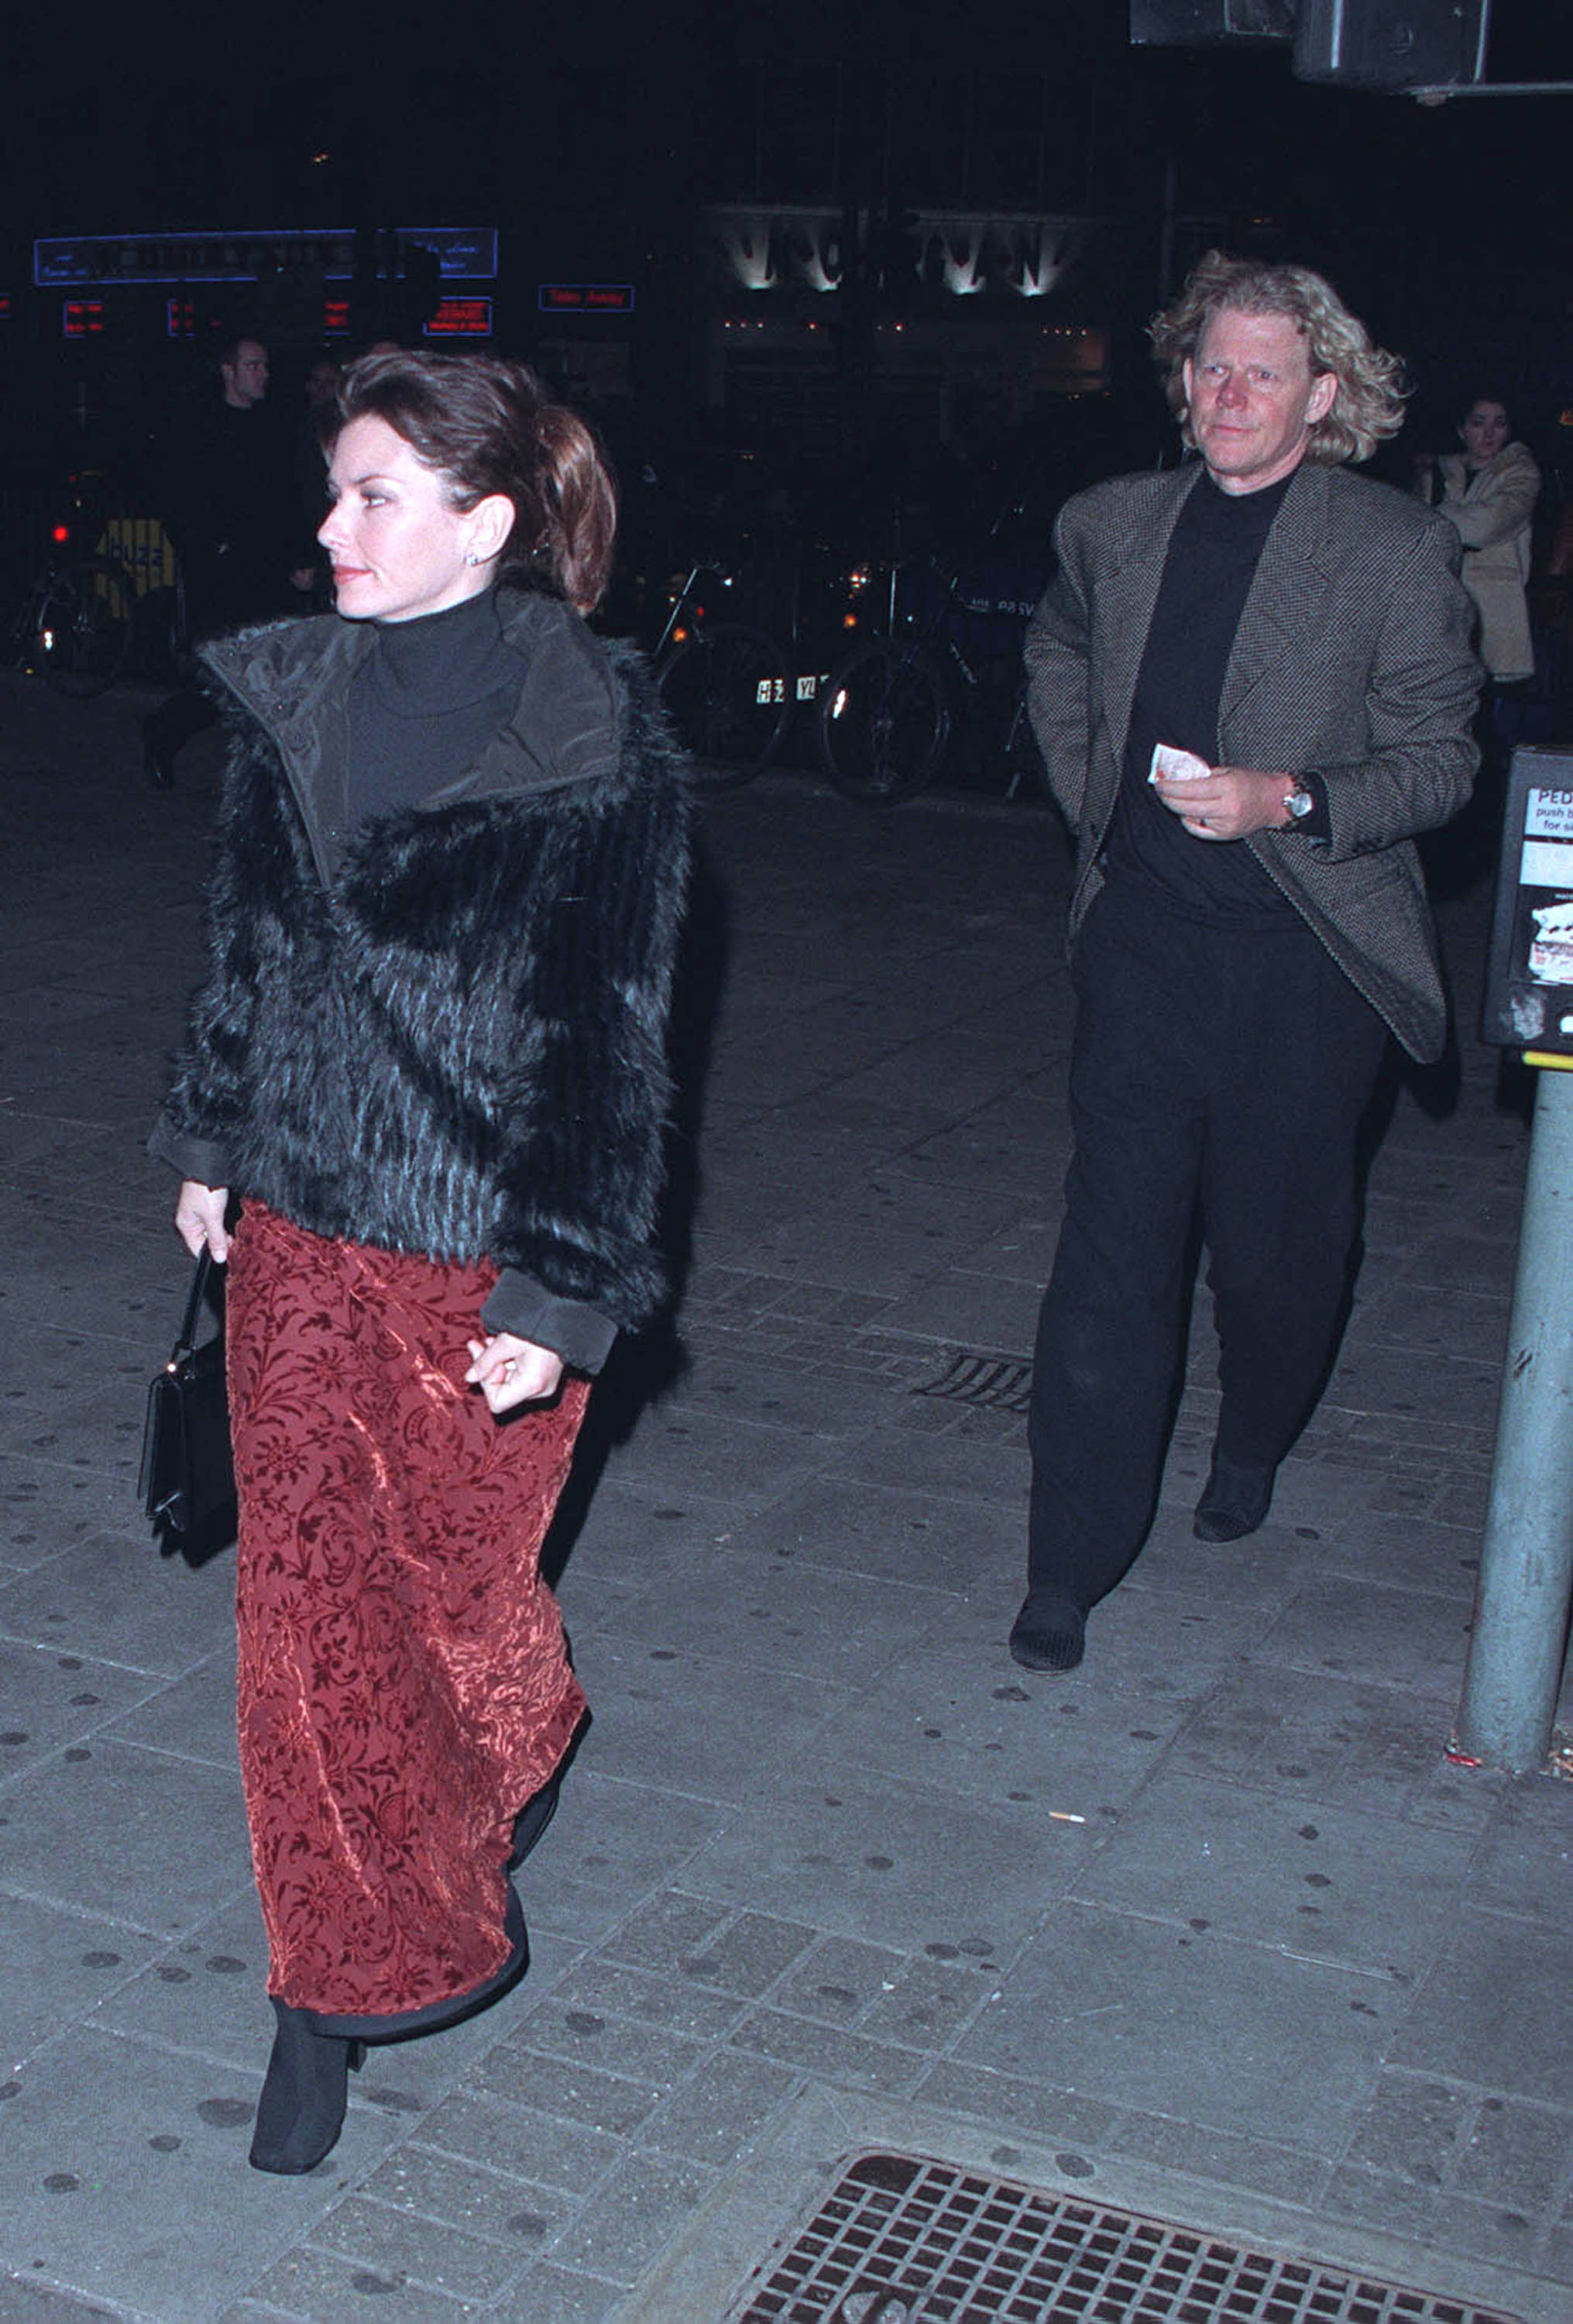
1235, 1500
158, 760
1049, 1632
302, 2109
532, 1819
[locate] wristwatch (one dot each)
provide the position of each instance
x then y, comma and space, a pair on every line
1300, 803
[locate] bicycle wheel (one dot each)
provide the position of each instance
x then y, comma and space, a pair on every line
81, 632
728, 692
884, 721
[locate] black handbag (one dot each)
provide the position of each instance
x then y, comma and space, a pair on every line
187, 1484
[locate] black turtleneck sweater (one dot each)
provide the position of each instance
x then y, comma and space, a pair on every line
424, 705
1214, 551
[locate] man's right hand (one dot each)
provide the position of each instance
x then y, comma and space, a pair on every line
1228, 802
199, 1219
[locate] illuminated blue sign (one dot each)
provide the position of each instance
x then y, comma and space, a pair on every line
67, 262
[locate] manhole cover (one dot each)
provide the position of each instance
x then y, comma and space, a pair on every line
905, 2241
1004, 1383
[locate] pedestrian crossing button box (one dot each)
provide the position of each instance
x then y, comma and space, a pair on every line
1529, 972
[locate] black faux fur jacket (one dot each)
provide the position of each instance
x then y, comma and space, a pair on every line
448, 1035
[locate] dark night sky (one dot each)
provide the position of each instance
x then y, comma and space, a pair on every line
586, 136
183, 116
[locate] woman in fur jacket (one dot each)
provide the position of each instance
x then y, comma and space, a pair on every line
428, 1056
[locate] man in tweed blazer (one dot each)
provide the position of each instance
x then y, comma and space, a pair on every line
1252, 680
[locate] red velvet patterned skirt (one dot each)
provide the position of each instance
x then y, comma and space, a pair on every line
403, 1682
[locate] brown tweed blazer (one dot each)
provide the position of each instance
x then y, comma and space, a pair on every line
1352, 660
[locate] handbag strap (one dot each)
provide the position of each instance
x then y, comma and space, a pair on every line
187, 1339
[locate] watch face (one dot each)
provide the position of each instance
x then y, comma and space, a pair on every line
1299, 803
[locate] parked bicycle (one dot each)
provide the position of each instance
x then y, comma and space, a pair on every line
729, 689
929, 693
88, 616
74, 624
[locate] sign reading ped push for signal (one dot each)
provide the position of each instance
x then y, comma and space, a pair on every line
1529, 977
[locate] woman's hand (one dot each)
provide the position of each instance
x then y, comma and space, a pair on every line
199, 1219
509, 1371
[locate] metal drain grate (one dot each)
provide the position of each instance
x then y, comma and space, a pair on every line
901, 2240
1002, 1382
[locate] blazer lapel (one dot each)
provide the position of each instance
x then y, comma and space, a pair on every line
1286, 593
1127, 595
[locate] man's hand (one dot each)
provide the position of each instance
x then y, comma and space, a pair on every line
1229, 803
199, 1219
509, 1371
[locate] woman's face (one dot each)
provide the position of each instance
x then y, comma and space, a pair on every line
1484, 430
399, 548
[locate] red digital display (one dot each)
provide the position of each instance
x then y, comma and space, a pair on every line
460, 318
82, 319
180, 317
336, 318
585, 299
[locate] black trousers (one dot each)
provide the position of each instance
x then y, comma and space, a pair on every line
219, 597
1224, 1068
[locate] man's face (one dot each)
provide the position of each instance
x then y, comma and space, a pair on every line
245, 379
1254, 398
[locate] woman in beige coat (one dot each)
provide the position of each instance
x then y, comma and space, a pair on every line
1489, 492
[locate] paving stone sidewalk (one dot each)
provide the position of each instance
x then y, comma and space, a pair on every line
1211, 1930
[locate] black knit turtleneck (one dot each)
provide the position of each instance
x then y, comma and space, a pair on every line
424, 705
1214, 551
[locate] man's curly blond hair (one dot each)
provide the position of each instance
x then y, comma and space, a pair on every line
1369, 403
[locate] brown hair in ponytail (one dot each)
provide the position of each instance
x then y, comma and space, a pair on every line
581, 506
486, 426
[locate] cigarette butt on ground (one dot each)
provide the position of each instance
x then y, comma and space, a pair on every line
1063, 1815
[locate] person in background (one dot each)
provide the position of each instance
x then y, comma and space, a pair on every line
316, 425
1488, 493
230, 509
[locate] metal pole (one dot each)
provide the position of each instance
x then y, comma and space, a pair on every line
1526, 1560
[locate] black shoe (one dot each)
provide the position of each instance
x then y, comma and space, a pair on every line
302, 2109
1235, 1500
1049, 1632
532, 1819
157, 764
